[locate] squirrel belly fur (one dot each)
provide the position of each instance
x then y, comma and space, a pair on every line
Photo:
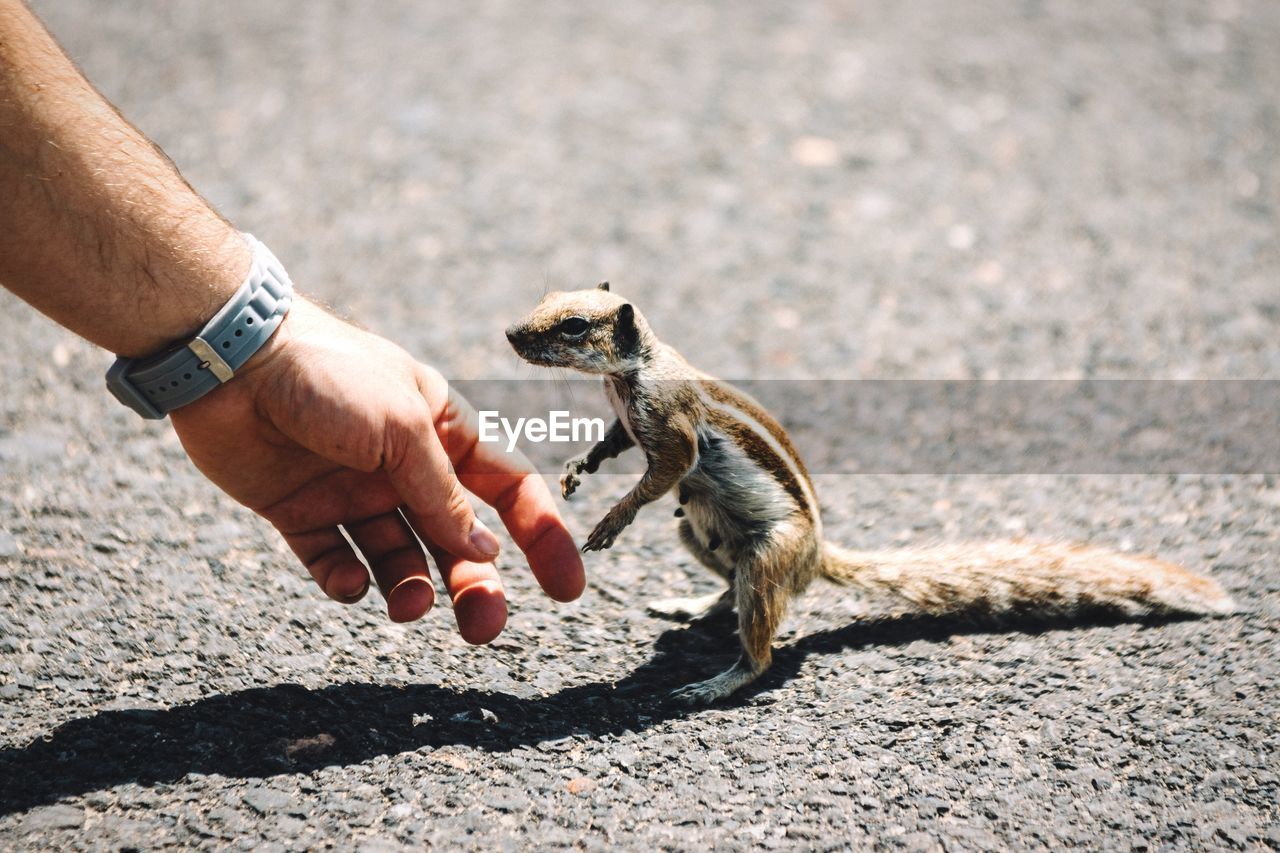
749, 513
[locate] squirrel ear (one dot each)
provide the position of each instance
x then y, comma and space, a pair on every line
624, 330
604, 285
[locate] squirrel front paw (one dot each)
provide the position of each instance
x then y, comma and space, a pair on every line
608, 529
569, 480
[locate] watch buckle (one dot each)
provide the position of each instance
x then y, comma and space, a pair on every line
210, 360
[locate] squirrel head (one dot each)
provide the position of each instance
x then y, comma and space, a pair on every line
593, 331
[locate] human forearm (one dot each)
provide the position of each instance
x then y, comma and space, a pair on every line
97, 228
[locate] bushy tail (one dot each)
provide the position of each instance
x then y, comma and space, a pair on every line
1023, 578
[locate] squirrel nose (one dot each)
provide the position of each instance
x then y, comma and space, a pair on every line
513, 333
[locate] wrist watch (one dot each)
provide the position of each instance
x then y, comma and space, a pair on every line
155, 385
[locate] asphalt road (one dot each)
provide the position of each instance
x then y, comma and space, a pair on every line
804, 190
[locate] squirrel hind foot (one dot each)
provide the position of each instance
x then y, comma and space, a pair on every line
689, 609
702, 693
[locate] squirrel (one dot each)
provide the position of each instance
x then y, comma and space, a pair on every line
748, 511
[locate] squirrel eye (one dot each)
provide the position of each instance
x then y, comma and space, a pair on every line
574, 327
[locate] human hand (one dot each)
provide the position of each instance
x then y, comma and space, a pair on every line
329, 425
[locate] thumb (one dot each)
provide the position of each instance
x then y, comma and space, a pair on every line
437, 506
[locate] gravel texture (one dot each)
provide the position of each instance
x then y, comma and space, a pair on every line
801, 190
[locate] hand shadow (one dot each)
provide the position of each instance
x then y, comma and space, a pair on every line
287, 728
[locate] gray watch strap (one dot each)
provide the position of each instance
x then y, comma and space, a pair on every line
156, 385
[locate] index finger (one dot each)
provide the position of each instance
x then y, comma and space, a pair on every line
509, 484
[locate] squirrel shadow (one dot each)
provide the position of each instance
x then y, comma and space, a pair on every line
287, 728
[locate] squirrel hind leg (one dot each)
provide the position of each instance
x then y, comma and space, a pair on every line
763, 586
760, 608
761, 604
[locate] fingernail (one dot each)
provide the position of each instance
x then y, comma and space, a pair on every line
410, 599
355, 596
483, 540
